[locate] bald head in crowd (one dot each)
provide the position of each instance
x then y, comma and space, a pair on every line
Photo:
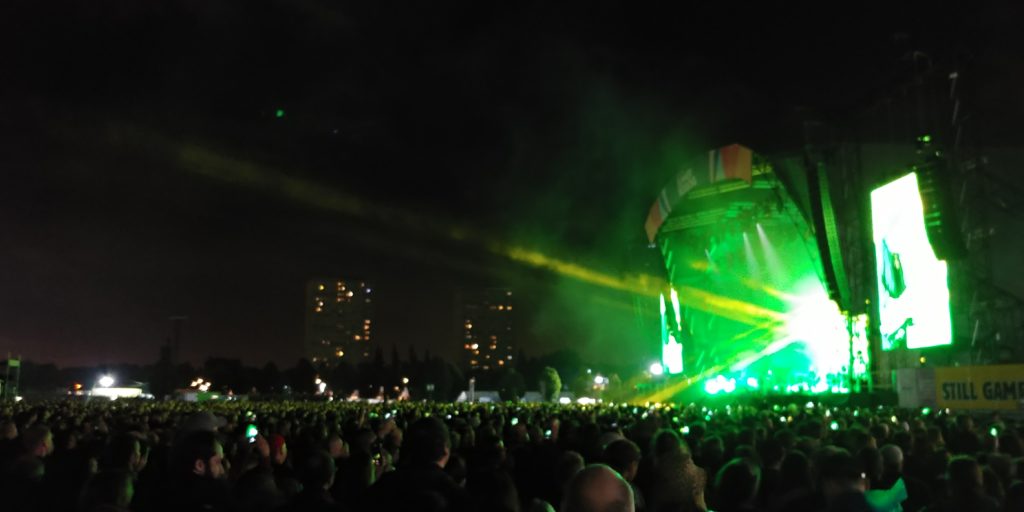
598, 488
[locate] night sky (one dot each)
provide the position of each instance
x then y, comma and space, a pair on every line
147, 171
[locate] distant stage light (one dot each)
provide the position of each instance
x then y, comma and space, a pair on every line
657, 369
106, 381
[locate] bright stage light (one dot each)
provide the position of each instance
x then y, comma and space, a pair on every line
817, 322
656, 369
672, 356
106, 381
719, 384
712, 386
671, 350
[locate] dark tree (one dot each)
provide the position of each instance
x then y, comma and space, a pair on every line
270, 378
413, 360
223, 373
511, 386
301, 377
550, 384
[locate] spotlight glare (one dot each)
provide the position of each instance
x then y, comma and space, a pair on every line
657, 369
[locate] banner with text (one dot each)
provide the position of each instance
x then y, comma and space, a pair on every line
980, 387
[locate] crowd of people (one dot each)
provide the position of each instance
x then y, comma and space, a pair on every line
244, 456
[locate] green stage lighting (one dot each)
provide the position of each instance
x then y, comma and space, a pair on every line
671, 349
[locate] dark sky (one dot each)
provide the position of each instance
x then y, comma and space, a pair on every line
146, 173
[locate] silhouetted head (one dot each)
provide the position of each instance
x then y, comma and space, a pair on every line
598, 488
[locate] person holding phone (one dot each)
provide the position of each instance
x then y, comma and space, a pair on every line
421, 476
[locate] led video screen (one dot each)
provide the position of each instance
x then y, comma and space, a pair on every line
913, 291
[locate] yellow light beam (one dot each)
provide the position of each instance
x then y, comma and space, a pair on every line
732, 309
738, 363
213, 165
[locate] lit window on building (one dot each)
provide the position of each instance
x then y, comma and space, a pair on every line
501, 363
357, 337
508, 357
321, 287
339, 353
